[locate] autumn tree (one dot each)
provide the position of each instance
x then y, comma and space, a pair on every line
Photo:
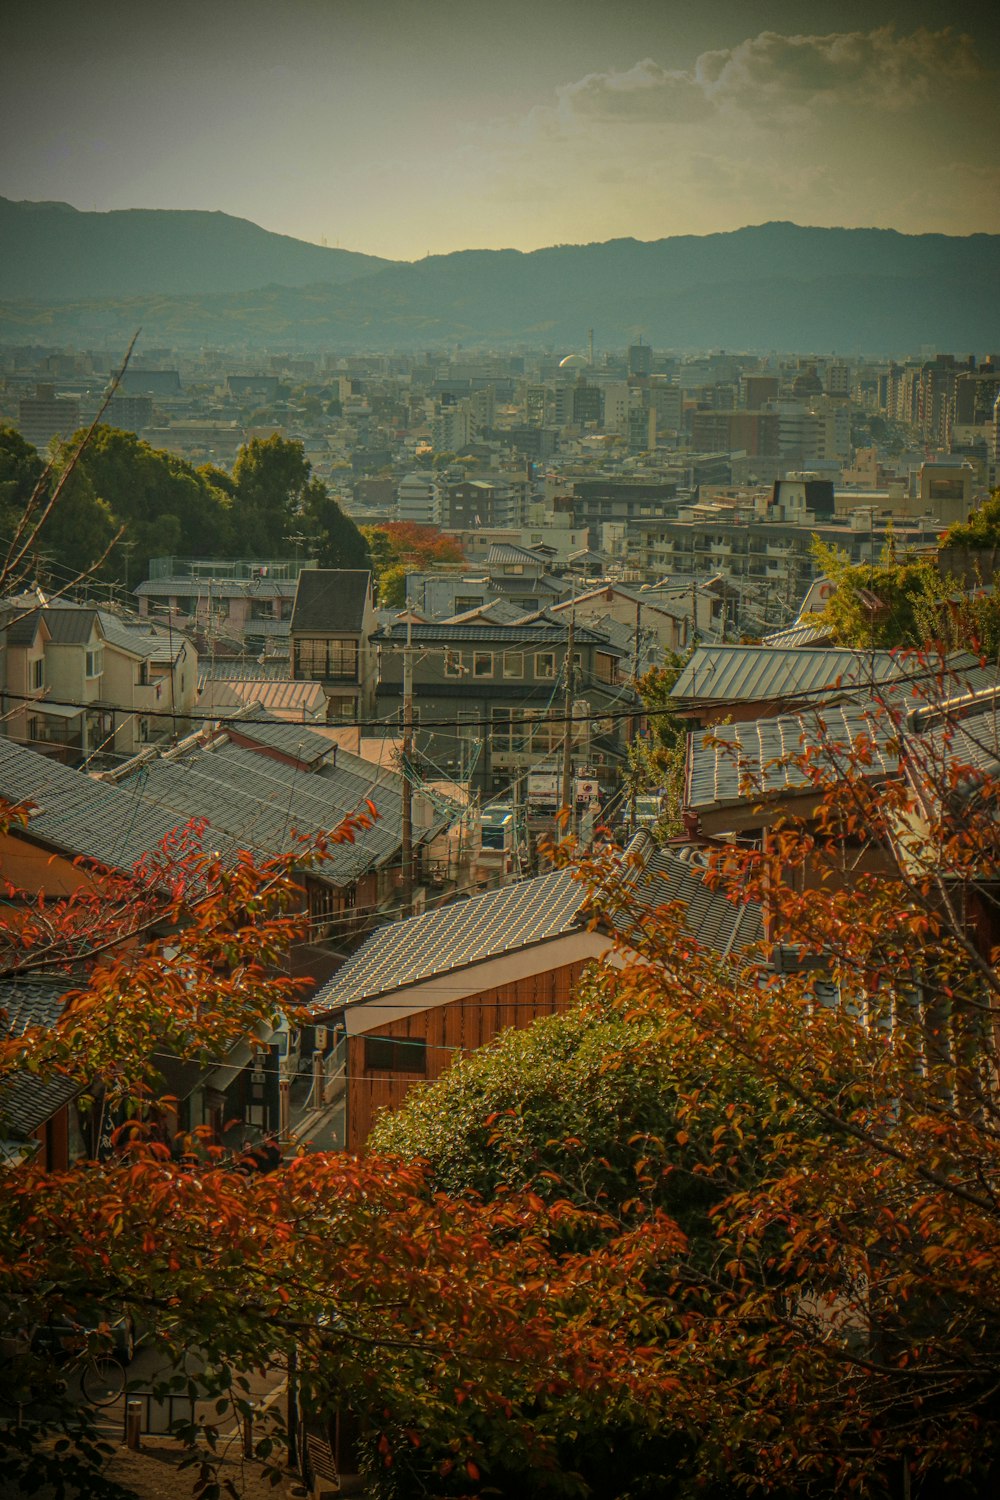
400, 547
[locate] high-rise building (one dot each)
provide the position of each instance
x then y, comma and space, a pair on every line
640, 359
45, 415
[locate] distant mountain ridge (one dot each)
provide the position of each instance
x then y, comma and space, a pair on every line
770, 286
54, 252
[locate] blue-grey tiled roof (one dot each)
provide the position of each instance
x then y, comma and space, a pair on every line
297, 741
27, 1100
78, 815
453, 937
442, 633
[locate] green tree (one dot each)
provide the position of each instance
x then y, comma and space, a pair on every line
656, 763
167, 506
270, 478
335, 537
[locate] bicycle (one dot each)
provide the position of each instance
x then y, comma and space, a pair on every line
103, 1379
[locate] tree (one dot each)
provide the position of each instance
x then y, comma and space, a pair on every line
338, 542
399, 547
270, 478
656, 763
166, 506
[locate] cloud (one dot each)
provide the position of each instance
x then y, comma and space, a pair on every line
773, 75
849, 128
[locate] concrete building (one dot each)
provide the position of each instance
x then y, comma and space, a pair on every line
45, 416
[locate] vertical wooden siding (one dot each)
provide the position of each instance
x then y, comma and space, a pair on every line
449, 1030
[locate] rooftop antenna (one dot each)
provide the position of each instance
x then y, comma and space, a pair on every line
590, 346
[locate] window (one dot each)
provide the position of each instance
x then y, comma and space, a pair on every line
482, 663
326, 659
604, 667
465, 602
95, 662
513, 664
453, 664
545, 664
389, 1054
38, 672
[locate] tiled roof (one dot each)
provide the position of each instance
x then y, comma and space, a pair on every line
26, 1099
260, 802
494, 612
331, 599
152, 642
725, 926
739, 753
749, 674
507, 552
297, 741
453, 937
78, 815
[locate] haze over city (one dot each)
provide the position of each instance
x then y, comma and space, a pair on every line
400, 129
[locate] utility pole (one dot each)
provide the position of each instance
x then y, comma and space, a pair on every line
566, 793
633, 789
407, 790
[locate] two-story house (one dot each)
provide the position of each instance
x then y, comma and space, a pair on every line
333, 619
80, 681
490, 699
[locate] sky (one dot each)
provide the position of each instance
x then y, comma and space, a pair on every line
407, 127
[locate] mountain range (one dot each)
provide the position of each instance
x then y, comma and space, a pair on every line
189, 278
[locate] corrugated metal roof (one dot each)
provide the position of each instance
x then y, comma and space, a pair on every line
738, 764
712, 919
282, 697
441, 632
799, 635
453, 937
749, 674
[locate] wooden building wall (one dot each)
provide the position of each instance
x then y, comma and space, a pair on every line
463, 1024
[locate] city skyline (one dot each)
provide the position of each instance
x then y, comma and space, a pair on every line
401, 130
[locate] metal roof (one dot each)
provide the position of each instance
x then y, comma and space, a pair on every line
529, 635
27, 1100
749, 674
215, 588
798, 635
79, 815
331, 599
736, 763
712, 919
454, 937
279, 696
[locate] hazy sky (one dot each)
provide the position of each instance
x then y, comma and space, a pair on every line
400, 127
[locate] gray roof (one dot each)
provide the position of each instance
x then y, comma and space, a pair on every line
273, 696
70, 625
216, 588
505, 635
712, 919
152, 642
798, 635
297, 741
331, 599
507, 552
261, 802
456, 936
78, 815
738, 762
497, 611
753, 674
27, 1100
